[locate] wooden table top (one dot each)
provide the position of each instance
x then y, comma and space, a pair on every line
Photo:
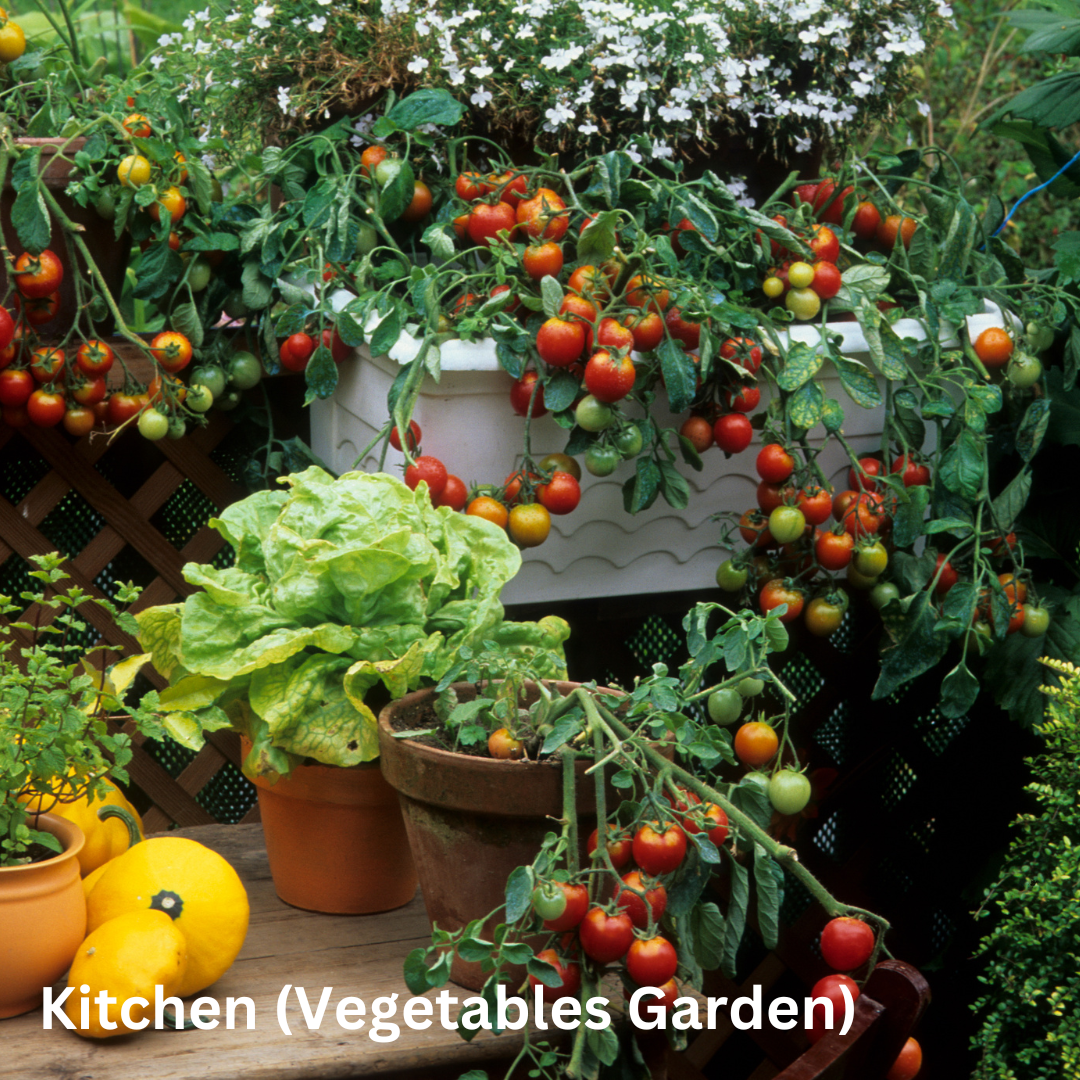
357, 955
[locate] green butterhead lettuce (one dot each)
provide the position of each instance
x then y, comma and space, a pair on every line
339, 585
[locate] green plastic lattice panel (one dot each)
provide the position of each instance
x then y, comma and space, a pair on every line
183, 514
20, 471
228, 796
938, 731
833, 735
803, 679
654, 643
900, 778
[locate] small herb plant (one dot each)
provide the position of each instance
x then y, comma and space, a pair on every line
55, 737
652, 922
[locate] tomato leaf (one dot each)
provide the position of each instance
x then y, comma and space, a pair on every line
1072, 358
690, 454
640, 491
513, 363
604, 1043
30, 217
1007, 506
738, 903
906, 417
159, 267
962, 466
597, 241
769, 879
1033, 428
552, 294
680, 375
673, 486
185, 319
518, 892
832, 416
349, 330
201, 183
291, 320
801, 364
708, 928
687, 889
752, 800
320, 375
806, 406
428, 106
257, 286
386, 333
688, 205
910, 512
918, 647
440, 238
959, 689
398, 193
858, 383
560, 391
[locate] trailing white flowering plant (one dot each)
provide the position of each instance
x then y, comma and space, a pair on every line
575, 76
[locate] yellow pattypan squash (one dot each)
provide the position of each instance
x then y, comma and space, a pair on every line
128, 957
194, 885
104, 839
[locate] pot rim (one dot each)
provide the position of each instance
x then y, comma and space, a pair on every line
67, 832
437, 755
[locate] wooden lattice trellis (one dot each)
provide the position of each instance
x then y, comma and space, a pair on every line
127, 522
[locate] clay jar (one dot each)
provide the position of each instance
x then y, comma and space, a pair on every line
42, 919
473, 820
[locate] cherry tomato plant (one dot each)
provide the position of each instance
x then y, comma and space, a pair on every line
638, 906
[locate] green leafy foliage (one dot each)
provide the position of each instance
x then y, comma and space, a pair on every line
1029, 1007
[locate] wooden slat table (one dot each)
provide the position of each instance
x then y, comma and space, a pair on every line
358, 956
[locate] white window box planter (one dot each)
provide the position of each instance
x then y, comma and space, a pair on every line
599, 549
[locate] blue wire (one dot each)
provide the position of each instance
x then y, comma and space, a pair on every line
1027, 195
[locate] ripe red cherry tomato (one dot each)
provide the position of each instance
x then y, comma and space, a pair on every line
16, 386
948, 576
562, 495
733, 433
609, 378
659, 850
560, 341
914, 473
455, 494
776, 592
429, 469
413, 438
651, 962
605, 938
521, 395
908, 1062
774, 463
486, 221
830, 988
94, 357
45, 407
742, 352
634, 905
618, 849
816, 505
846, 943
864, 481
38, 275
577, 903
568, 971
744, 400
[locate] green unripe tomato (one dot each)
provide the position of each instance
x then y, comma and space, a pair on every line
228, 401
367, 239
106, 205
804, 304
1036, 621
629, 441
234, 305
787, 524
789, 791
199, 274
593, 415
884, 592
245, 371
979, 638
759, 779
857, 580
1024, 370
153, 425
199, 399
729, 577
1039, 337
177, 428
602, 460
750, 687
210, 376
548, 901
725, 706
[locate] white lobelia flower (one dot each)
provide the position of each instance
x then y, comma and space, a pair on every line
417, 64
317, 24
481, 97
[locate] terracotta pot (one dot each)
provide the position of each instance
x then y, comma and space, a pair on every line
335, 840
473, 820
42, 920
110, 254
